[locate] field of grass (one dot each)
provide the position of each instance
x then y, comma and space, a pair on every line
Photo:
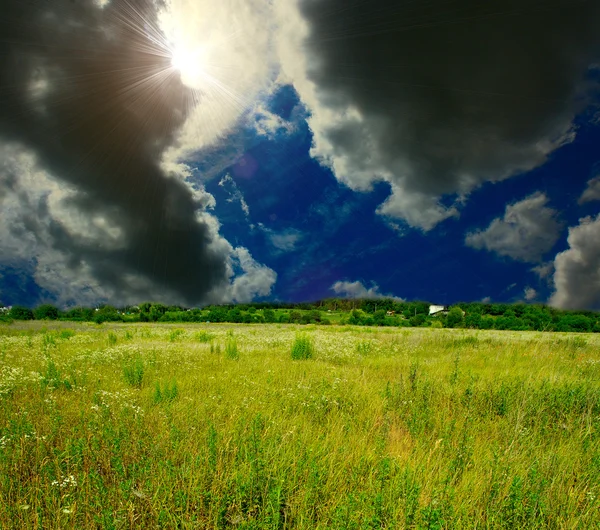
277, 426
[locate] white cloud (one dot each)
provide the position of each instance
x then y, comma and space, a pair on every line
283, 241
268, 124
544, 271
255, 280
235, 193
530, 293
527, 231
592, 192
577, 269
358, 290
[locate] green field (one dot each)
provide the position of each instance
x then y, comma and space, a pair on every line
217, 426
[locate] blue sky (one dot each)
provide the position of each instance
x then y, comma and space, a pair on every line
300, 150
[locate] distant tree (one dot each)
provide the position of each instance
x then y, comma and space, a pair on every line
473, 320
269, 315
571, 322
455, 318
80, 314
234, 315
315, 315
46, 312
486, 323
106, 313
417, 320
295, 316
19, 312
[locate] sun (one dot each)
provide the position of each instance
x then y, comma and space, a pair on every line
191, 64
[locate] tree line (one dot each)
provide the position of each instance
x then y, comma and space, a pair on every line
340, 311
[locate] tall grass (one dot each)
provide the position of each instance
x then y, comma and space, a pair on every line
302, 348
420, 429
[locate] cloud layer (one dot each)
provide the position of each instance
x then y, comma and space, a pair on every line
527, 231
437, 98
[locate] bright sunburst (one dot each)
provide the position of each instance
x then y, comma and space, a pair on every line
191, 64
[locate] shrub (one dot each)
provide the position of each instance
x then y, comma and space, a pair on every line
302, 348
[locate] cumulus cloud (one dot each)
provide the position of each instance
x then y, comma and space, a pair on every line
530, 293
527, 231
438, 98
592, 191
358, 290
92, 119
577, 269
254, 281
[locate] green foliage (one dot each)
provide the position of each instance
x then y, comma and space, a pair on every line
53, 378
455, 318
302, 348
165, 394
231, 349
204, 336
46, 312
111, 338
18, 312
516, 317
133, 372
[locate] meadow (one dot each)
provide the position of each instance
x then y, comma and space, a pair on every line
119, 426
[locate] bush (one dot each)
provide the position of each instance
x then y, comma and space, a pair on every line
302, 348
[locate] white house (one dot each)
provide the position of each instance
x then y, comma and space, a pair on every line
5, 309
437, 309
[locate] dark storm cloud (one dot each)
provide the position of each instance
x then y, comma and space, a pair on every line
85, 88
450, 93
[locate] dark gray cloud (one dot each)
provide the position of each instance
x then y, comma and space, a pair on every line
437, 97
85, 89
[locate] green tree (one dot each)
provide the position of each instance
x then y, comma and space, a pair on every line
19, 312
46, 312
455, 318
269, 315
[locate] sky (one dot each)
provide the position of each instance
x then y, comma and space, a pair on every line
196, 152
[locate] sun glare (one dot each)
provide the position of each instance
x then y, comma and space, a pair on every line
191, 64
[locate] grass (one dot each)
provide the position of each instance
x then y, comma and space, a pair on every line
302, 348
378, 428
